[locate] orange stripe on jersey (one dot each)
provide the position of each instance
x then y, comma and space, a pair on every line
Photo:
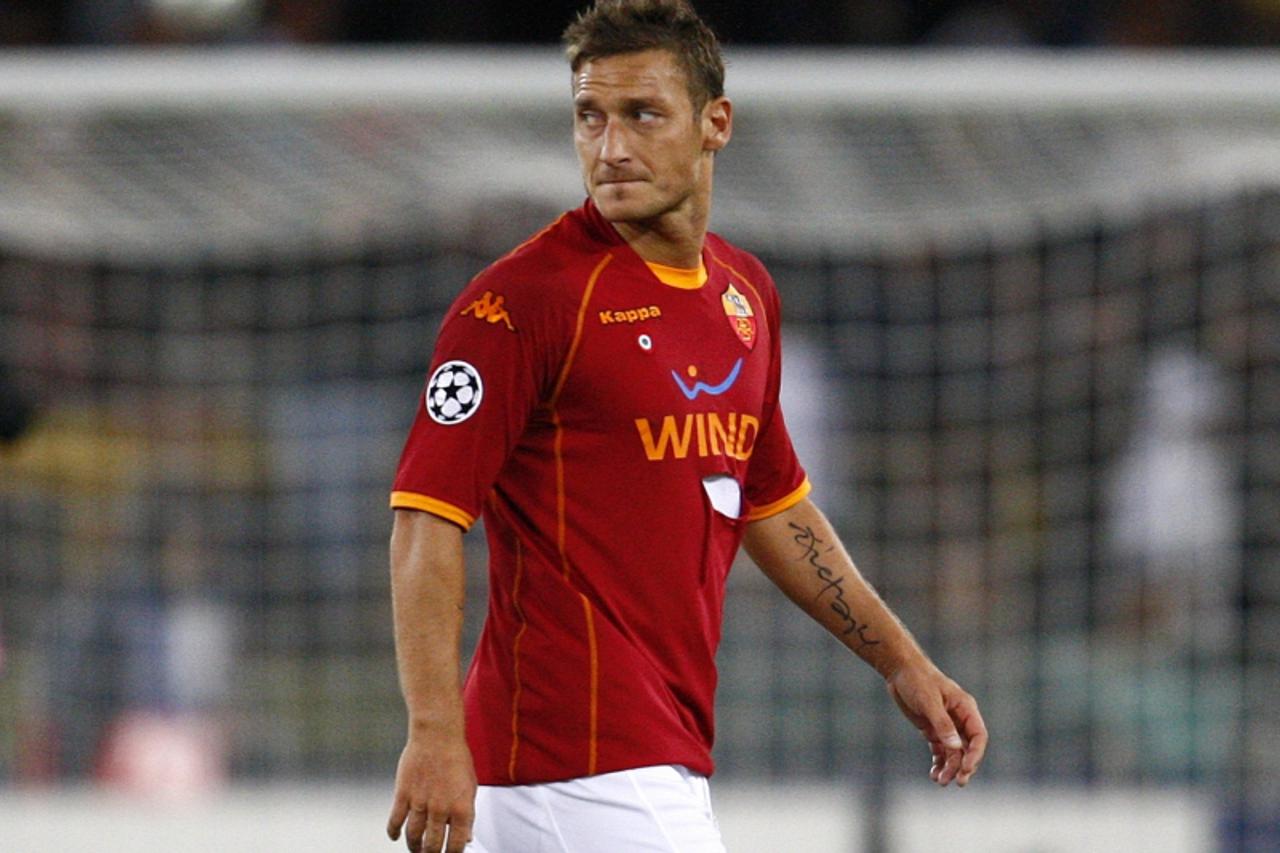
555, 416
593, 742
561, 521
515, 655
577, 331
782, 504
447, 511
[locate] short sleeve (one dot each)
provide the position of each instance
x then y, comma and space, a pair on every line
776, 480
494, 362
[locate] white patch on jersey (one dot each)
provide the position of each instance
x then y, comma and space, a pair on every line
453, 393
724, 493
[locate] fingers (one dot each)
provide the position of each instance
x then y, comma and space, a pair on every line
975, 734
434, 840
428, 832
945, 743
399, 811
957, 750
952, 755
416, 827
939, 760
434, 802
459, 835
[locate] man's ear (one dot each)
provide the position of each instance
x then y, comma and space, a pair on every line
717, 124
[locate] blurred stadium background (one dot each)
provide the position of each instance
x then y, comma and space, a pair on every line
1034, 367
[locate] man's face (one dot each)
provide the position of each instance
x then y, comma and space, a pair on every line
643, 150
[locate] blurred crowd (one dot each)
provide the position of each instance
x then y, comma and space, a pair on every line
1055, 23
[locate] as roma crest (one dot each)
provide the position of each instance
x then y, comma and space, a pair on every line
741, 317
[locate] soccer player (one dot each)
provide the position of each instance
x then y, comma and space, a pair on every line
606, 396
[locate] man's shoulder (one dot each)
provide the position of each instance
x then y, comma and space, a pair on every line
554, 258
739, 261
542, 277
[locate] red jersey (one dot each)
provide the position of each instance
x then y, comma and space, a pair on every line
617, 424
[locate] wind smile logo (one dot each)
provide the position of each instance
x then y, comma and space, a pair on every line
700, 434
691, 393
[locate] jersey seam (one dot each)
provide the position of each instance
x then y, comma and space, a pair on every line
515, 661
562, 521
593, 741
578, 329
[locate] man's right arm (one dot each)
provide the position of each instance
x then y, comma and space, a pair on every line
435, 781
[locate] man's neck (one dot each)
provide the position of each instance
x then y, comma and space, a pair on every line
680, 248
675, 238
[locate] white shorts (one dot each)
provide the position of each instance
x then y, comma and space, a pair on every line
665, 809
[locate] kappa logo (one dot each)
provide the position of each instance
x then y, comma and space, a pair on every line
491, 309
630, 315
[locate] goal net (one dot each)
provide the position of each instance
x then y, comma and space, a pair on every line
1031, 308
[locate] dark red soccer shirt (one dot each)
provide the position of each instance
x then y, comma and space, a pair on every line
579, 403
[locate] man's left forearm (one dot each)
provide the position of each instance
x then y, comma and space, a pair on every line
801, 553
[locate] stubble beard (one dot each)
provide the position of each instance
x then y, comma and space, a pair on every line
636, 208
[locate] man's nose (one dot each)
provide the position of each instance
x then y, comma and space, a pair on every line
614, 148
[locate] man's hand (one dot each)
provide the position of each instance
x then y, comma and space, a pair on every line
435, 795
947, 717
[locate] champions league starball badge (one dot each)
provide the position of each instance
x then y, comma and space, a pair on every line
453, 393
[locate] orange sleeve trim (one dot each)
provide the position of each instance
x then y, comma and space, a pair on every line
759, 512
593, 707
447, 511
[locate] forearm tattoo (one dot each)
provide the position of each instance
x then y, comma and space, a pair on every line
832, 584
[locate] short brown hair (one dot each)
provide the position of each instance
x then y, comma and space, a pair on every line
613, 27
